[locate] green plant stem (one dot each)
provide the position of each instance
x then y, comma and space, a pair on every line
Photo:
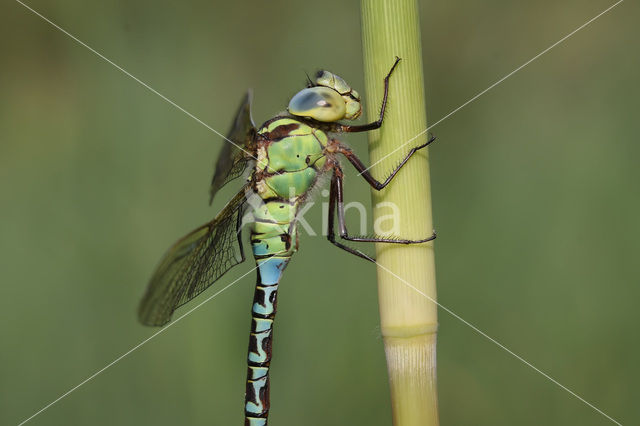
408, 319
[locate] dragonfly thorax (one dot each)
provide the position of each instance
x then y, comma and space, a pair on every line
290, 158
330, 99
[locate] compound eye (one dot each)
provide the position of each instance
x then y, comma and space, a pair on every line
319, 103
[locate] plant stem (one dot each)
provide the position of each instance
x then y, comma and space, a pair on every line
408, 319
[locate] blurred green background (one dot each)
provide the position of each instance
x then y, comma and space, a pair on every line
536, 202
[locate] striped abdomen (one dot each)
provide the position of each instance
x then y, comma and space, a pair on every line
259, 358
273, 240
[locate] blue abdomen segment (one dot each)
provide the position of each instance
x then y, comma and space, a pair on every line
260, 344
270, 270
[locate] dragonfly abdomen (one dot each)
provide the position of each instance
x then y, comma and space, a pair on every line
259, 358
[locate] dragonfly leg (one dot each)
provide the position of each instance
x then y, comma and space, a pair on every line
346, 128
364, 171
336, 188
331, 235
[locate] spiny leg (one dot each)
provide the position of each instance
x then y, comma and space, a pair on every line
337, 188
359, 165
344, 128
331, 236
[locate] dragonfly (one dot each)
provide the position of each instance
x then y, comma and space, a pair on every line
283, 160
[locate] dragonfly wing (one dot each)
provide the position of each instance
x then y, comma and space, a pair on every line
234, 157
194, 263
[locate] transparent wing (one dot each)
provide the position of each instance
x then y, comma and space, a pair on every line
194, 263
233, 159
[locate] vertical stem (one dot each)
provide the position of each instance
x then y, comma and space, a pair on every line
408, 319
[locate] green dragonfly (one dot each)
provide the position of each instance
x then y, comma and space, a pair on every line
284, 159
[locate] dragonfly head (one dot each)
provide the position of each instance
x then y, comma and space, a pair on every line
327, 99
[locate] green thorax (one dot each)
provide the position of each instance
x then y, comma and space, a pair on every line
290, 158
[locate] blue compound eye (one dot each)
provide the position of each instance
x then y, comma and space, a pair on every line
320, 103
